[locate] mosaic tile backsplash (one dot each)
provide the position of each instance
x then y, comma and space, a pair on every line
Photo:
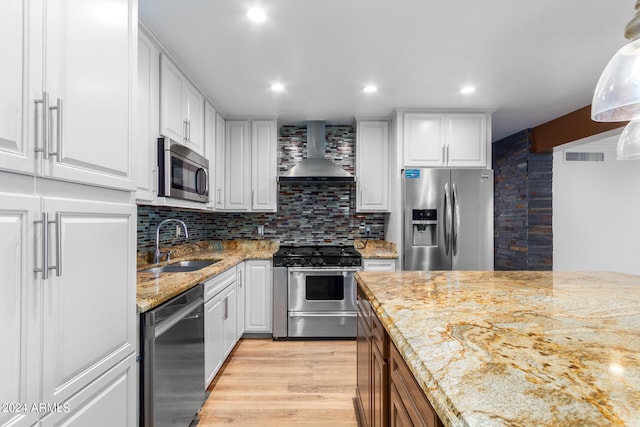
307, 213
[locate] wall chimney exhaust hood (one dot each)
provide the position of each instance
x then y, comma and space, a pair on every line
316, 167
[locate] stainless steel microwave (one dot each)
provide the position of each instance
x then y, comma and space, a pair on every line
182, 173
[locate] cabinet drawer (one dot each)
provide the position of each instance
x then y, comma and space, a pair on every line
217, 283
414, 401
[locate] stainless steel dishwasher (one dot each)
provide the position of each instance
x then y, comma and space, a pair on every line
173, 361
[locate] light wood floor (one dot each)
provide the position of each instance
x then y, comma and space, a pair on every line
284, 383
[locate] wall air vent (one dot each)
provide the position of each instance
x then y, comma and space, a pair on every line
572, 156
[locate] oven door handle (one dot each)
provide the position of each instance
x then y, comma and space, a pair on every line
323, 269
323, 314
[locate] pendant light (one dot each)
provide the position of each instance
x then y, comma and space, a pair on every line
617, 94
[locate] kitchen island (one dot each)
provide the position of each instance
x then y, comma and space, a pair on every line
516, 348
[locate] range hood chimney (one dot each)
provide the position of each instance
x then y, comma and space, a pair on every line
316, 167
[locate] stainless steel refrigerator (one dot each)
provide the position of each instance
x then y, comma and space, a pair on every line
447, 219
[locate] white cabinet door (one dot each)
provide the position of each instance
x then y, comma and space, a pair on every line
173, 122
372, 166
466, 136
210, 150
230, 314
109, 401
220, 155
237, 166
258, 296
379, 264
213, 337
147, 120
16, 144
89, 302
264, 165
19, 308
195, 118
90, 76
423, 139
240, 299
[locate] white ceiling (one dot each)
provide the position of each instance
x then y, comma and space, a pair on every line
531, 61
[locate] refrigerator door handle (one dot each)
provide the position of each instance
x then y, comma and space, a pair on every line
455, 223
447, 219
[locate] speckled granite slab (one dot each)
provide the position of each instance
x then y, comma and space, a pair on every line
376, 248
517, 348
153, 290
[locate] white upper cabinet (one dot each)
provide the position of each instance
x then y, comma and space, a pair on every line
220, 154
264, 165
181, 107
210, 150
249, 181
372, 165
445, 139
147, 124
466, 136
74, 121
237, 181
16, 143
423, 139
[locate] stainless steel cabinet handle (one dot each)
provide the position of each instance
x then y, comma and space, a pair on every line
218, 195
189, 129
58, 266
45, 246
226, 308
184, 131
58, 109
444, 154
44, 132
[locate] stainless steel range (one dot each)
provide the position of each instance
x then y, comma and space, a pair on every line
314, 292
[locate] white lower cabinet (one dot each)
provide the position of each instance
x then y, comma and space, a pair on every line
240, 298
220, 312
108, 401
258, 297
19, 310
64, 329
379, 264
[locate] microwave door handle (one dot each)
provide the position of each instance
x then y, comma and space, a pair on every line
206, 182
167, 173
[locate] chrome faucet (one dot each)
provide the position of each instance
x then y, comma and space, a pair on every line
156, 252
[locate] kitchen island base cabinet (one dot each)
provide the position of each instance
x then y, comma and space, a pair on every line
408, 404
386, 392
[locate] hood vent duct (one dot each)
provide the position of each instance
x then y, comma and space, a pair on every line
316, 167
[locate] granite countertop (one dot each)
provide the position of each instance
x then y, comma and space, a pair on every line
153, 290
376, 248
517, 348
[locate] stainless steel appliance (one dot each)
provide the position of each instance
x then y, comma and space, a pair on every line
173, 361
182, 173
447, 219
314, 292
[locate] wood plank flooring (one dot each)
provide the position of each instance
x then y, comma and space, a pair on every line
284, 383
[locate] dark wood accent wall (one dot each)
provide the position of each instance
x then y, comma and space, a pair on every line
568, 128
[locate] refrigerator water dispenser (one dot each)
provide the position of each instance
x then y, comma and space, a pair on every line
425, 227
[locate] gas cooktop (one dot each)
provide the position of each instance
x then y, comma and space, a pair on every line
317, 256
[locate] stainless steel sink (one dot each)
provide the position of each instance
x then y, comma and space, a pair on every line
182, 266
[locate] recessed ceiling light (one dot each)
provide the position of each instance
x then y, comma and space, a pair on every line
466, 90
277, 87
257, 15
370, 89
